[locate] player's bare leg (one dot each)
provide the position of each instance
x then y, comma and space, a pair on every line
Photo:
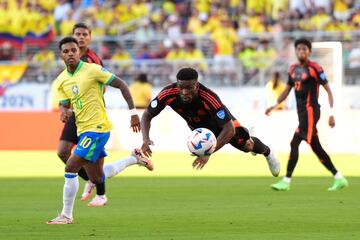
64, 151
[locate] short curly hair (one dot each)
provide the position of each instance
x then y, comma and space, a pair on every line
67, 40
304, 41
187, 74
81, 25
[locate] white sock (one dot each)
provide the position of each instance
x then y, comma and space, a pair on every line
338, 175
287, 180
114, 168
71, 187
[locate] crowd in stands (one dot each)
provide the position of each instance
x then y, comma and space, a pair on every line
229, 30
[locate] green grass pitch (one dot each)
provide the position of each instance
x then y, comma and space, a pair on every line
229, 199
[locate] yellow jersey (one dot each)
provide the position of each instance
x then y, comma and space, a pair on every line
84, 91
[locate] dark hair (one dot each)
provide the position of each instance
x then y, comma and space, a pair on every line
142, 77
81, 25
191, 44
276, 74
187, 74
67, 40
303, 41
276, 77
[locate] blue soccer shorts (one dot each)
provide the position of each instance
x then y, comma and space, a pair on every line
91, 145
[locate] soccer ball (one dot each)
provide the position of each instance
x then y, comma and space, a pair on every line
201, 142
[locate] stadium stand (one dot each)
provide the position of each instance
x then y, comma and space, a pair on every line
236, 42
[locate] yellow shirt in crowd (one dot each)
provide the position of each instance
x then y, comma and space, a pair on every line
141, 93
224, 39
273, 94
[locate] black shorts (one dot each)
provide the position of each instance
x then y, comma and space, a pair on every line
69, 133
240, 138
307, 123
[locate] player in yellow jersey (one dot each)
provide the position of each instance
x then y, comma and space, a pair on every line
79, 88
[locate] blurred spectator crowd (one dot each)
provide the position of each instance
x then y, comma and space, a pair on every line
199, 17
253, 33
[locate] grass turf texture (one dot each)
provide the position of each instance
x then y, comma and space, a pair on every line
185, 208
176, 202
47, 164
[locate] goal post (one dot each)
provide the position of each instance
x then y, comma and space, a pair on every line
329, 56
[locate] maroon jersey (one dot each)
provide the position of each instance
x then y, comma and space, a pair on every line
90, 57
306, 81
206, 110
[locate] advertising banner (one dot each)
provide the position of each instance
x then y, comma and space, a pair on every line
25, 97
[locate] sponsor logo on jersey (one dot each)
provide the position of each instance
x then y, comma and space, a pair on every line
221, 114
154, 103
322, 76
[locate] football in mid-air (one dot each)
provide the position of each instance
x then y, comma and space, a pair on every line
201, 142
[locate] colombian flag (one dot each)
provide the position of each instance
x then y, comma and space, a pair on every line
30, 39
40, 40
15, 41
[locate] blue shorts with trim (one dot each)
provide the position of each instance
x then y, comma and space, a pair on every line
91, 145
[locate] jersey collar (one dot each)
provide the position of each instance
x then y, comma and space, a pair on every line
76, 70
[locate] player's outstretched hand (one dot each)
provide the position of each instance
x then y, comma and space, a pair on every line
146, 147
135, 123
268, 110
200, 162
331, 121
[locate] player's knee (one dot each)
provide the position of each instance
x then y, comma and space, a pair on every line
63, 154
70, 169
246, 148
249, 145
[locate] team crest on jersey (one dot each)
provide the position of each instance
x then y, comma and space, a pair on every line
221, 114
104, 69
75, 89
154, 103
